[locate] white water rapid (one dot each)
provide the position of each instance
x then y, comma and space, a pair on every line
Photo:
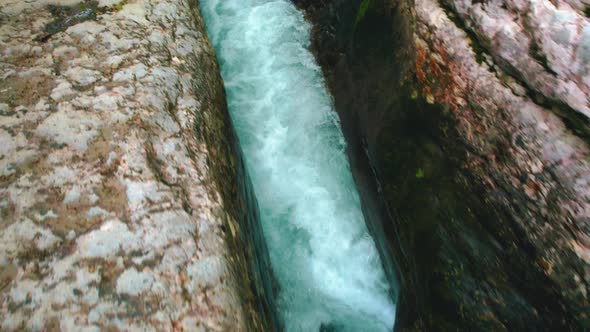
325, 261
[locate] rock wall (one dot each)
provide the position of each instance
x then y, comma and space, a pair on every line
124, 204
473, 117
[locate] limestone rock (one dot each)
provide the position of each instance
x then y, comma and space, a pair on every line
473, 115
120, 177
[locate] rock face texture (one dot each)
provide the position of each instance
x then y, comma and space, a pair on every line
123, 198
473, 116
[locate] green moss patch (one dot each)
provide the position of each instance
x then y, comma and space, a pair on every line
362, 11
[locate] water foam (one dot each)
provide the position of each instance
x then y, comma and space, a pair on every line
327, 266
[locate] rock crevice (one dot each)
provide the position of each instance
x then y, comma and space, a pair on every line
482, 187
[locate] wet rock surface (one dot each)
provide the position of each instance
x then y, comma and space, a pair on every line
473, 116
124, 204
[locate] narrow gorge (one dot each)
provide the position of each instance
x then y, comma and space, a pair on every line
294, 165
329, 274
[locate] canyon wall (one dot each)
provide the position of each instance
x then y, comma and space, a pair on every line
124, 203
473, 117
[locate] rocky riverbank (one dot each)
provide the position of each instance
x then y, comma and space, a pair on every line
124, 203
473, 117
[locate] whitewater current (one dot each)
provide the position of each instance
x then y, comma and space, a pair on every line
326, 263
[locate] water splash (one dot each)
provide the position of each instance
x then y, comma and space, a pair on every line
326, 263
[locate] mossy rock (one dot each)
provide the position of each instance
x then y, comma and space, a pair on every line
362, 11
67, 16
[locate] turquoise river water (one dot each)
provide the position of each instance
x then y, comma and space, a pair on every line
325, 261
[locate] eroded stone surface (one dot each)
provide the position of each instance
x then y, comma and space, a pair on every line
529, 162
545, 44
473, 117
111, 213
